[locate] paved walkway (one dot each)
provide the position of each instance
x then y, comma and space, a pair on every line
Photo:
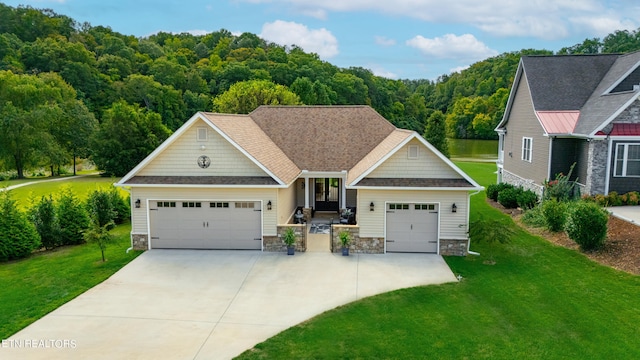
47, 180
198, 304
626, 213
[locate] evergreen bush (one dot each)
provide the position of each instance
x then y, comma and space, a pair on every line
527, 199
494, 189
509, 197
587, 225
18, 236
72, 217
44, 217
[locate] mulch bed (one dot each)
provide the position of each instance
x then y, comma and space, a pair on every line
621, 250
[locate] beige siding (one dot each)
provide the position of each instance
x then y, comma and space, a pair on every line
180, 158
523, 122
452, 225
286, 203
139, 216
427, 165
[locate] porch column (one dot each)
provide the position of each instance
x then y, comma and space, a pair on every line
306, 192
343, 196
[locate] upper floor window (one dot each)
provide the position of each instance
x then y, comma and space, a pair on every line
627, 160
527, 146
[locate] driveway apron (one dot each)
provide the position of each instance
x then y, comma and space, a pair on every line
198, 304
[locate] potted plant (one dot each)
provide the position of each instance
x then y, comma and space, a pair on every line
289, 239
345, 240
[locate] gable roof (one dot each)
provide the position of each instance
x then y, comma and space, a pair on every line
285, 141
245, 132
564, 82
577, 94
345, 134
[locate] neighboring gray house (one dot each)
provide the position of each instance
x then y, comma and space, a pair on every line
566, 109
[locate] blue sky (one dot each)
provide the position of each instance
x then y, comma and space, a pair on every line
398, 39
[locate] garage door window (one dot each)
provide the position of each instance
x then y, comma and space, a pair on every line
425, 207
398, 206
167, 204
191, 204
219, 205
244, 205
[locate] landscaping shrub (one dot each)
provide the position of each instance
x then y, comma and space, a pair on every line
44, 217
614, 199
120, 206
534, 217
494, 189
100, 208
555, 214
509, 197
633, 198
18, 236
527, 199
587, 225
72, 218
561, 189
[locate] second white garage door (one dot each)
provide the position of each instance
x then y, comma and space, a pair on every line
412, 227
205, 224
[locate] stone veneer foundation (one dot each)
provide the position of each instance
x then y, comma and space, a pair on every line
275, 244
454, 247
516, 180
359, 245
140, 241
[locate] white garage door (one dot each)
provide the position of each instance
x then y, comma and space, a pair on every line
412, 227
205, 225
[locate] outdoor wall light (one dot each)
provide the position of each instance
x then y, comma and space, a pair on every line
138, 204
203, 147
454, 208
269, 205
371, 206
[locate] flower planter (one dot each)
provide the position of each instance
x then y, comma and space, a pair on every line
291, 250
345, 251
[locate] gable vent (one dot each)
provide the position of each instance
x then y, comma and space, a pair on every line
412, 152
202, 134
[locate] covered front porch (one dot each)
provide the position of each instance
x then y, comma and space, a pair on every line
326, 193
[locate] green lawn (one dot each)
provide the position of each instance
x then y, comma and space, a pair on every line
81, 187
538, 301
33, 287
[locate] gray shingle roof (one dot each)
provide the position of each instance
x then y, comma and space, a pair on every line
564, 82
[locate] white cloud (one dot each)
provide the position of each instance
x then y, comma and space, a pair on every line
319, 41
546, 19
384, 41
464, 47
459, 69
379, 71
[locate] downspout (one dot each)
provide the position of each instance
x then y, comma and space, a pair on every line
130, 207
468, 211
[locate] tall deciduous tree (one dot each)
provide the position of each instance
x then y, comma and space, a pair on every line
435, 132
126, 136
246, 96
38, 116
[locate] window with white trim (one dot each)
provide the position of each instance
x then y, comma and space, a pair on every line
627, 162
527, 146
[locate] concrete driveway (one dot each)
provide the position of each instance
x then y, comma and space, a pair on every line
196, 304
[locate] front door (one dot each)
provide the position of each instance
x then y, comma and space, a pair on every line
327, 194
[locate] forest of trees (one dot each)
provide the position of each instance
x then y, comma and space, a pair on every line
71, 89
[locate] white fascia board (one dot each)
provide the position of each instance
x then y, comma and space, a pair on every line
243, 151
207, 186
478, 188
323, 174
627, 138
514, 88
615, 114
161, 148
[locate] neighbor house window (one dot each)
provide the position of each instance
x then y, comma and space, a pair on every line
627, 160
526, 148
